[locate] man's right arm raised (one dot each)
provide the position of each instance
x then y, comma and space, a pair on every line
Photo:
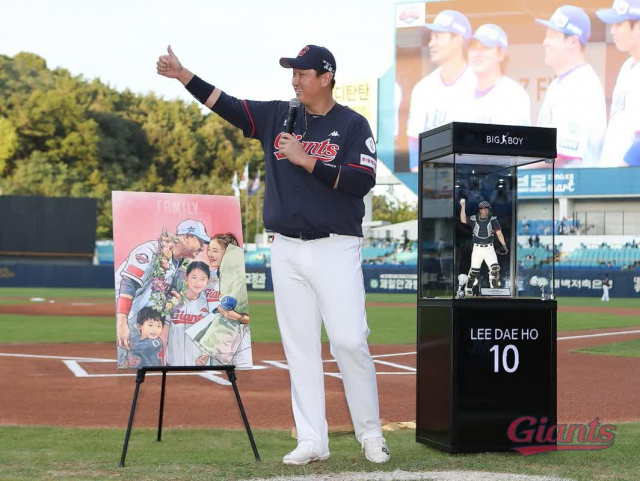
169, 66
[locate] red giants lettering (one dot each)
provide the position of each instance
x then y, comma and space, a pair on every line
324, 151
213, 295
531, 435
182, 318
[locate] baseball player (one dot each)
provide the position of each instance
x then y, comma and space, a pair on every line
147, 349
316, 178
484, 227
498, 99
623, 130
574, 103
606, 284
133, 277
181, 350
443, 95
243, 357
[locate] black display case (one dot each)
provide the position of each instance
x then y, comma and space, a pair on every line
487, 314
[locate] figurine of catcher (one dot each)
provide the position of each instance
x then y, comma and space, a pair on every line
484, 227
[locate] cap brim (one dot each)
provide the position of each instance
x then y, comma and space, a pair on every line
295, 62
286, 62
487, 42
206, 239
438, 28
610, 16
548, 24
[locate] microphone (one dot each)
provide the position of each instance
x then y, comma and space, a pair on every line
294, 105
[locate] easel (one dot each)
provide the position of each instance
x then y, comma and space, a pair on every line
231, 374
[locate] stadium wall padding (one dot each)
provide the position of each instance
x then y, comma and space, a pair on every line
377, 279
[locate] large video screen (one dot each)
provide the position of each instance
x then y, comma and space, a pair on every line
518, 62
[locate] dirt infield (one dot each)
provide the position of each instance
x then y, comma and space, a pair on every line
83, 308
67, 390
79, 386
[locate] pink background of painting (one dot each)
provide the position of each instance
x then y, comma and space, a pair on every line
138, 217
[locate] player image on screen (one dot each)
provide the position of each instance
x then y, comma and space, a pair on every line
442, 96
484, 227
498, 99
624, 117
574, 102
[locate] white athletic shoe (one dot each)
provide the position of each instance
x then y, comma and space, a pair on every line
376, 450
303, 454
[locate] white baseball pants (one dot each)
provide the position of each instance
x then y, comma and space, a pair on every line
480, 254
322, 280
605, 293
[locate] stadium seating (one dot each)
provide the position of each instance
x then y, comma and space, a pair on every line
389, 254
604, 257
375, 252
546, 227
104, 252
258, 258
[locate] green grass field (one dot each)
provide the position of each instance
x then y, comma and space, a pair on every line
389, 325
28, 452
622, 349
572, 321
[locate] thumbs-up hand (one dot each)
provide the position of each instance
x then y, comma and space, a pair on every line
169, 65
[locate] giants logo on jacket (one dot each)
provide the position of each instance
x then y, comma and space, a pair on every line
183, 318
213, 295
325, 150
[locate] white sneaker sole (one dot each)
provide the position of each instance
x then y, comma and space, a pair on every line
291, 462
378, 462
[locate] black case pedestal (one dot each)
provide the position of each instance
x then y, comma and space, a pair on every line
466, 397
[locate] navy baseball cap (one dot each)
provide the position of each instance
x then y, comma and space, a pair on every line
621, 11
452, 22
311, 57
570, 20
491, 35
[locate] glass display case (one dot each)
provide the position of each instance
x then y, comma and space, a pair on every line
487, 314
485, 233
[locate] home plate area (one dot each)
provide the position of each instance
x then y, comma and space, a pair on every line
79, 385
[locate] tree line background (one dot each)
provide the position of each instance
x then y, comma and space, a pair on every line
64, 136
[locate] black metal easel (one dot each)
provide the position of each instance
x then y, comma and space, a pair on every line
231, 374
